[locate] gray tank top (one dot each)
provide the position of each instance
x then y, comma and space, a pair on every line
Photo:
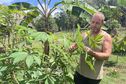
84, 69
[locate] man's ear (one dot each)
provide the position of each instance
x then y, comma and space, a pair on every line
102, 22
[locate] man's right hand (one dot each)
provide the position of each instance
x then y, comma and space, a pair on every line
73, 47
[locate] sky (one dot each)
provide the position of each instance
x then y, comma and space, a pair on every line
33, 2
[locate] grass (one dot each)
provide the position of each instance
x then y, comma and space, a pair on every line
115, 72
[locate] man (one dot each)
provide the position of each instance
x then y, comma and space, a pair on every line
84, 75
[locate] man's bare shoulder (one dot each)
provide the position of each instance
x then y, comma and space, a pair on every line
107, 36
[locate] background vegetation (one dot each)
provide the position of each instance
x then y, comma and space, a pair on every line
34, 44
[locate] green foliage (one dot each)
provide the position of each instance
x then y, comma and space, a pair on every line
25, 60
121, 2
27, 57
74, 12
18, 56
94, 41
119, 44
29, 12
112, 24
28, 63
51, 24
21, 6
81, 4
29, 60
110, 13
37, 60
40, 36
29, 17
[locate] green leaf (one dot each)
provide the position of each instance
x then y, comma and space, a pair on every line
90, 65
98, 38
64, 42
3, 68
57, 3
52, 78
20, 74
79, 39
78, 36
69, 79
36, 74
53, 38
44, 76
40, 36
37, 60
89, 61
68, 1
18, 56
49, 80
70, 75
29, 61
91, 10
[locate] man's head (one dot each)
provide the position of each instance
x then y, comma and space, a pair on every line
97, 22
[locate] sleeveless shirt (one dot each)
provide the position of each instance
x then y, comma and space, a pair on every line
84, 69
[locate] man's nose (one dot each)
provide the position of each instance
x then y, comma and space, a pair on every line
93, 24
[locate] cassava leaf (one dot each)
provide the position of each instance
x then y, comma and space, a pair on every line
18, 56
37, 59
29, 61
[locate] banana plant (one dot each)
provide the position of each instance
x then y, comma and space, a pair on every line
46, 11
30, 12
70, 4
80, 9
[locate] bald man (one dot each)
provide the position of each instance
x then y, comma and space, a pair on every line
84, 75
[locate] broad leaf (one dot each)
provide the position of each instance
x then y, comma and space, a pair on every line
68, 1
18, 56
3, 68
29, 60
37, 59
57, 3
49, 80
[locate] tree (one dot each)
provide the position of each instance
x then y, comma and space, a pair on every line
39, 24
46, 11
79, 11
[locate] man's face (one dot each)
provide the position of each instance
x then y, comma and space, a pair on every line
96, 23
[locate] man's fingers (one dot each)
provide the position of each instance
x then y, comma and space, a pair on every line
87, 49
73, 47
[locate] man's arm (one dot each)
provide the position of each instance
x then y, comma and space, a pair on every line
106, 49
